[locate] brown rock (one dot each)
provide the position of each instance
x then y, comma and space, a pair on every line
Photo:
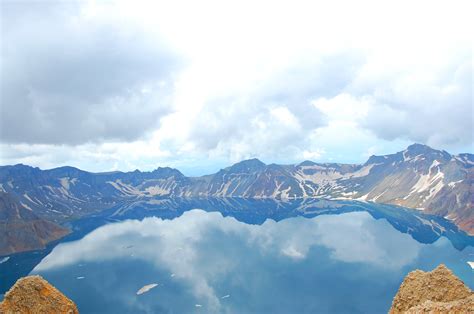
33, 294
432, 292
459, 306
22, 230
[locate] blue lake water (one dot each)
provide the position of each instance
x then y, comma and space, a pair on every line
242, 256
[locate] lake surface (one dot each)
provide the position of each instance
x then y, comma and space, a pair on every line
244, 256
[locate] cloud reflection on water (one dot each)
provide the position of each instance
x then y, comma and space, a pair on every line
193, 245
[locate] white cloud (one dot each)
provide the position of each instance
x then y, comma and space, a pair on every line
352, 237
74, 79
434, 106
313, 155
381, 74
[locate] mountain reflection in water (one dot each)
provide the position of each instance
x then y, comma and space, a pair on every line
423, 228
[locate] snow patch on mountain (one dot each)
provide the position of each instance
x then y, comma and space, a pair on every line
25, 195
453, 183
125, 188
26, 206
64, 182
362, 172
156, 190
429, 182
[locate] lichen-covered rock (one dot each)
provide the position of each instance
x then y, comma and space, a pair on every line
432, 292
33, 294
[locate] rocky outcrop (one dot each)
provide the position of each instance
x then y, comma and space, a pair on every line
438, 291
459, 306
33, 294
22, 230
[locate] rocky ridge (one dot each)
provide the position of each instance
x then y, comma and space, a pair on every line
22, 230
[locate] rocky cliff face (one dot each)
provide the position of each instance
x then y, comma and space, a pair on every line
21, 229
33, 294
439, 291
419, 177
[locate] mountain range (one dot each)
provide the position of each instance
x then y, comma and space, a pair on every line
420, 177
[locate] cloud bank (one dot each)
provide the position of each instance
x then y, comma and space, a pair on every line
148, 84
70, 78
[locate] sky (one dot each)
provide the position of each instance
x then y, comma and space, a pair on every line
199, 85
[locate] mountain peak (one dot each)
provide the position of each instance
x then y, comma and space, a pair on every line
374, 159
410, 154
167, 172
421, 149
307, 163
18, 167
417, 147
248, 165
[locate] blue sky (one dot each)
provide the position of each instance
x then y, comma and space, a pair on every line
121, 85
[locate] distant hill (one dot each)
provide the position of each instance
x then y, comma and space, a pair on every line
418, 177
